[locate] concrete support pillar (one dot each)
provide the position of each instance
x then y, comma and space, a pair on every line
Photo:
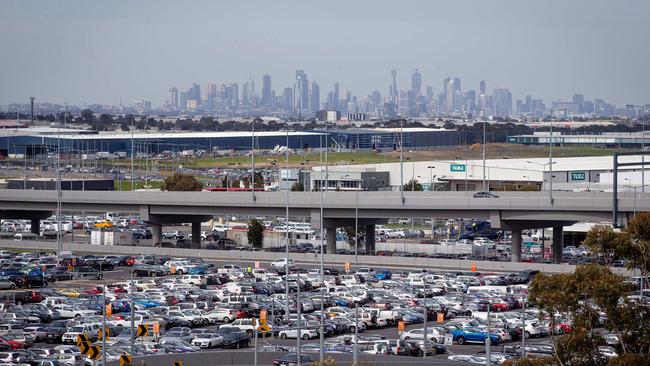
370, 239
558, 244
36, 226
156, 234
331, 240
196, 235
515, 248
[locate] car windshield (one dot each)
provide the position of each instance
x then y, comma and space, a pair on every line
77, 329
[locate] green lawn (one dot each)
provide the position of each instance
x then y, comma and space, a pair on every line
125, 185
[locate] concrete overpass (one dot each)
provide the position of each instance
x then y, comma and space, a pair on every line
513, 211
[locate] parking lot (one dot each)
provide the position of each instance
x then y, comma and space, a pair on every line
201, 306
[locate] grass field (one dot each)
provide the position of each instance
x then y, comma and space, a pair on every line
493, 151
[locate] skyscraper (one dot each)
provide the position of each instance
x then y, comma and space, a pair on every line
454, 97
336, 97
481, 89
266, 90
315, 97
502, 102
173, 97
302, 96
394, 96
416, 83
579, 100
248, 93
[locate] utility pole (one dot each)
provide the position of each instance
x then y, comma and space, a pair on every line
104, 332
401, 158
523, 323
253, 160
286, 223
488, 339
321, 336
132, 308
425, 314
132, 157
298, 311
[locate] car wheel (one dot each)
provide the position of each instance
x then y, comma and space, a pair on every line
283, 335
419, 353
498, 310
460, 340
434, 340
249, 332
351, 329
305, 337
527, 334
12, 286
407, 338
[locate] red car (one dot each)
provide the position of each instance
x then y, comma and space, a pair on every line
11, 343
94, 291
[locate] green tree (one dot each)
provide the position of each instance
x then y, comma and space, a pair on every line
297, 187
181, 182
412, 185
255, 233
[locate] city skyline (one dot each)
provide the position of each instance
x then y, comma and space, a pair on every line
79, 52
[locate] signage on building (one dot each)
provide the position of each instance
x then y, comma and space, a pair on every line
578, 176
456, 167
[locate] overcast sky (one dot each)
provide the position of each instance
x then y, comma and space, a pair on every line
106, 51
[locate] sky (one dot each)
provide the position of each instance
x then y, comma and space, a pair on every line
81, 51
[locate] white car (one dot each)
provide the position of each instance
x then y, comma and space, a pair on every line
418, 333
305, 334
207, 340
70, 312
282, 263
392, 234
221, 315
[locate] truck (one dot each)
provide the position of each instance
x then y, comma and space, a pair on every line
100, 237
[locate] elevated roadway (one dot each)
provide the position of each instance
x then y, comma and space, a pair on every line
514, 211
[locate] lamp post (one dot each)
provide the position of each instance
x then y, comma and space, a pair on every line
642, 144
253, 160
482, 144
431, 167
401, 158
550, 178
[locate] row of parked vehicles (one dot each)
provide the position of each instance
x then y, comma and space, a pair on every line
195, 305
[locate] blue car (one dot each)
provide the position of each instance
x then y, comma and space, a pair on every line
384, 275
197, 270
146, 303
473, 334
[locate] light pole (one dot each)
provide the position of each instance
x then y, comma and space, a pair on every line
550, 178
642, 144
356, 221
401, 158
253, 160
629, 185
431, 167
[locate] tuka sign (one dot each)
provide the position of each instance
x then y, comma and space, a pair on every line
578, 176
456, 167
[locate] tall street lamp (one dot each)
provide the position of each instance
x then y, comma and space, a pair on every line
642, 107
550, 178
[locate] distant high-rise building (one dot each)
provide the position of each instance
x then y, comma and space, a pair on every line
287, 100
182, 101
481, 88
502, 102
416, 83
266, 90
173, 97
470, 100
588, 107
248, 93
302, 96
337, 98
230, 95
209, 94
454, 97
142, 106
579, 100
394, 94
315, 96
194, 93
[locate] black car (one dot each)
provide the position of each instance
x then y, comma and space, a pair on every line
58, 274
291, 359
86, 272
54, 334
36, 281
235, 340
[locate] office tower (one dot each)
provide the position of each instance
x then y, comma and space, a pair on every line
481, 88
173, 97
579, 100
209, 94
315, 97
502, 102
470, 100
393, 90
302, 96
453, 95
287, 99
430, 94
142, 106
248, 93
194, 93
182, 101
376, 100
336, 97
416, 84
588, 107
266, 90
230, 95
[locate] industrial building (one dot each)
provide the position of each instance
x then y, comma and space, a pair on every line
28, 141
605, 139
